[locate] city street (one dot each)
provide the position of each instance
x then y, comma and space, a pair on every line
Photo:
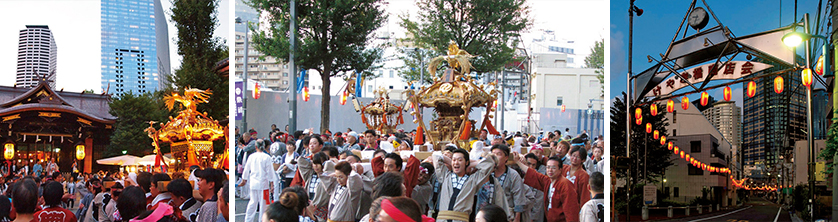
758, 209
241, 206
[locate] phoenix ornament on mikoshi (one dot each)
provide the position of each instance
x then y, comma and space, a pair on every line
453, 96
190, 133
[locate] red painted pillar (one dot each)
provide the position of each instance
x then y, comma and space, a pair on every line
88, 155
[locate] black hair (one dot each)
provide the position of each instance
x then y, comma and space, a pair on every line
582, 152
557, 159
465, 155
450, 148
319, 158
379, 151
429, 167
297, 134
225, 192
144, 180
409, 207
537, 160
317, 137
53, 191
25, 196
344, 167
302, 197
333, 151
283, 210
131, 202
502, 148
388, 184
216, 176
180, 188
597, 182
353, 156
371, 132
493, 213
5, 208
160, 177
396, 158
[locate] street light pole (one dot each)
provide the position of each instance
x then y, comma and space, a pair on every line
244, 74
809, 136
292, 68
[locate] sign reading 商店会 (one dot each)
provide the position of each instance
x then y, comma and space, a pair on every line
731, 70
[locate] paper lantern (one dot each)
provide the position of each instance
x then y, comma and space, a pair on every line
752, 89
663, 140
80, 151
653, 109
778, 84
704, 98
819, 66
305, 94
638, 121
670, 146
687, 156
685, 103
676, 150
257, 92
638, 113
343, 98
670, 106
656, 134
682, 154
727, 93
563, 108
806, 77
648, 127
9, 150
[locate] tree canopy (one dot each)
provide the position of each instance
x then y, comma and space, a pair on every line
596, 60
133, 112
657, 154
333, 38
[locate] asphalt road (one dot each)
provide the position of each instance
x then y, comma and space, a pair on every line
755, 210
241, 206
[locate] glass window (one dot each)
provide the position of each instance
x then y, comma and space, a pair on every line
559, 101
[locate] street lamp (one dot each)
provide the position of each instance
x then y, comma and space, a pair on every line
244, 72
793, 39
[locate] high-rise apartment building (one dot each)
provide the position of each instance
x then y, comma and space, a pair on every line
130, 39
37, 56
727, 118
772, 122
268, 70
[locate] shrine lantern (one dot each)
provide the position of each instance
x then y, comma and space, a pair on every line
9, 150
670, 106
656, 134
778, 84
685, 103
806, 77
663, 140
343, 98
819, 66
653, 109
80, 151
727, 93
563, 108
638, 116
257, 91
670, 146
704, 98
648, 127
305, 94
752, 89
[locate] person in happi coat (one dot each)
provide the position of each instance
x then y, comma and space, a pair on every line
311, 172
392, 162
457, 188
345, 187
577, 174
560, 198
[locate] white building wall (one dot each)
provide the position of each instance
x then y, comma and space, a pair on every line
577, 87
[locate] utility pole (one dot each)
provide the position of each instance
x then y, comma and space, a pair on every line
244, 73
292, 106
502, 98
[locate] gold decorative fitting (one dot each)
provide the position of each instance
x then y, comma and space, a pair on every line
12, 117
86, 122
50, 115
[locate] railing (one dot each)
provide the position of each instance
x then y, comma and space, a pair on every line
670, 210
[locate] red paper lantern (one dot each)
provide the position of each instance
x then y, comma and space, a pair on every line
676, 150
638, 116
257, 92
806, 77
648, 127
670, 106
819, 66
343, 98
685, 103
563, 107
663, 140
752, 89
656, 134
653, 109
704, 98
682, 154
728, 93
778, 84
670, 146
687, 157
305, 94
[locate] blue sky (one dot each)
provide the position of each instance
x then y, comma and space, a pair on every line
654, 30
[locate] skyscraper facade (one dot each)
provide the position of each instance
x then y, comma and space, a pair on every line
726, 116
773, 122
37, 56
130, 46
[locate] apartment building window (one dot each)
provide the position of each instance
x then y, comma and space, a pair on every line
391, 76
695, 170
695, 146
675, 192
559, 101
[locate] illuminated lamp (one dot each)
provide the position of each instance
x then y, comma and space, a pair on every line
806, 77
778, 84
648, 127
9, 150
727, 93
80, 151
685, 103
663, 140
704, 98
752, 89
670, 146
305, 94
670, 106
656, 134
653, 109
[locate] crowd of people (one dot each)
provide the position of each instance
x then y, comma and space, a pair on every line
32, 192
304, 176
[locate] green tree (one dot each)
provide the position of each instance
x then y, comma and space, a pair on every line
657, 155
333, 38
484, 28
596, 60
133, 112
196, 21
415, 64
